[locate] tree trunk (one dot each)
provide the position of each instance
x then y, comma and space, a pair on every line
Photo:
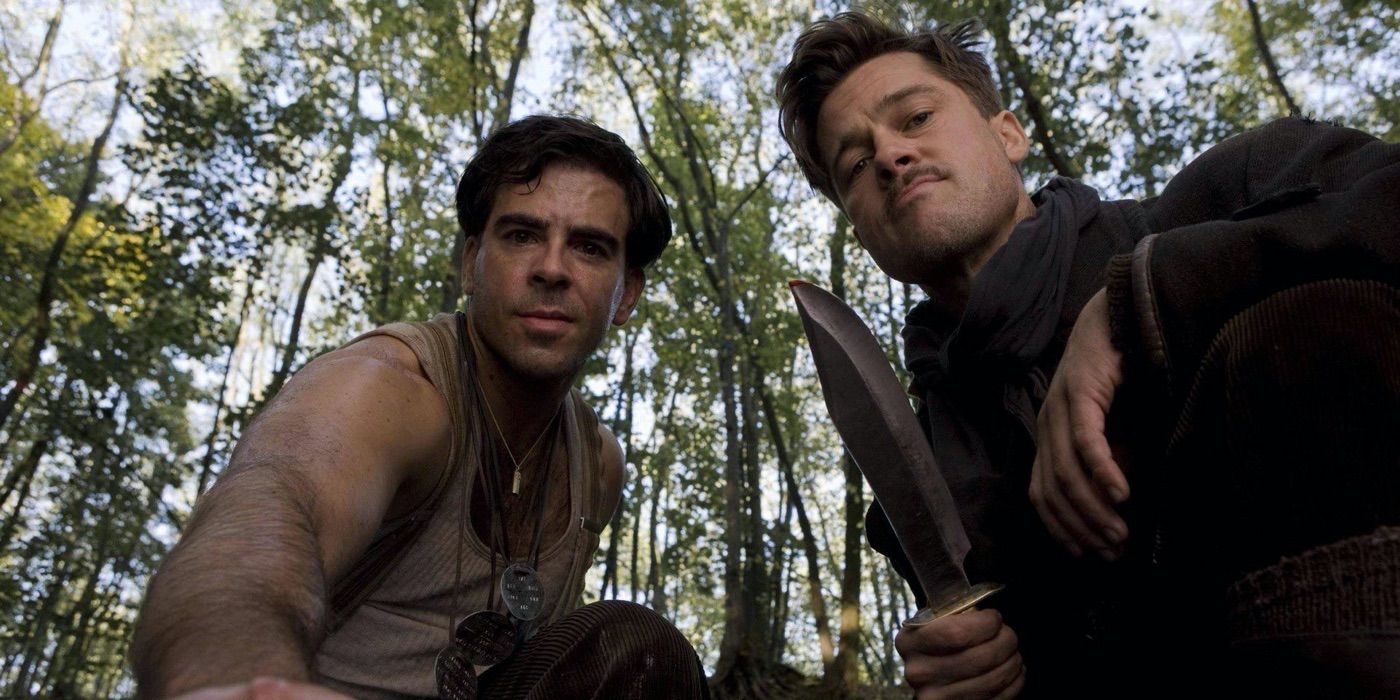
386, 256
500, 113
780, 581
842, 671
20, 479
622, 427
735, 625
506, 98
41, 71
49, 280
322, 245
757, 598
809, 541
206, 466
72, 626
636, 500
33, 650
289, 353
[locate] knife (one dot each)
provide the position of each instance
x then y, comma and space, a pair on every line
881, 432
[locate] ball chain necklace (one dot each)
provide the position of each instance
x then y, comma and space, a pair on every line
487, 637
515, 480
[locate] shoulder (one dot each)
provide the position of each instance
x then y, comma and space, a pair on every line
1281, 156
612, 473
366, 402
376, 375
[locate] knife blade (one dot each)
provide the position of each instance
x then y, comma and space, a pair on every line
872, 414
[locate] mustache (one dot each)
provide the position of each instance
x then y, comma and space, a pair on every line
547, 300
910, 175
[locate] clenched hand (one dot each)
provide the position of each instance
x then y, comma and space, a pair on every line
968, 655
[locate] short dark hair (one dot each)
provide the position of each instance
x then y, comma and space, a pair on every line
831, 48
518, 152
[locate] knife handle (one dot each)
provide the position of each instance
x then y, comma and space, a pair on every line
974, 595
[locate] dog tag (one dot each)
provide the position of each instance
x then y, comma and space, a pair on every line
522, 591
456, 678
486, 638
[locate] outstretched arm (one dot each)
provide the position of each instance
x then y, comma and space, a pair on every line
353, 437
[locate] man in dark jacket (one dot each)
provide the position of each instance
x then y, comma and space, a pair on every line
1254, 309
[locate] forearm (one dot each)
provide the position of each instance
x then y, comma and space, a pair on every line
243, 593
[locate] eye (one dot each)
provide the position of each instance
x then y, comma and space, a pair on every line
592, 250
920, 119
858, 167
520, 236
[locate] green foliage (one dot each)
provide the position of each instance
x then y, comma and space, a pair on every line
289, 183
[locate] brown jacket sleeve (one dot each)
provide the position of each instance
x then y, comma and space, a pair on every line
1292, 202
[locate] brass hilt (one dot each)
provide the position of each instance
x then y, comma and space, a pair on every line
974, 595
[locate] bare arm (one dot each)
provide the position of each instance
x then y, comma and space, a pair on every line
356, 435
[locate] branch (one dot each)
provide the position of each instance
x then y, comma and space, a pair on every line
1044, 130
1270, 68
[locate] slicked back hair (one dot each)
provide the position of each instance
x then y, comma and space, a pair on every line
518, 152
831, 48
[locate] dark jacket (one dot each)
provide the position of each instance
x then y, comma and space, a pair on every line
1272, 208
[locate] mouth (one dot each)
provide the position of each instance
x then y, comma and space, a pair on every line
547, 320
914, 188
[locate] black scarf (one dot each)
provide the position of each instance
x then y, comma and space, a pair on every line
1011, 317
1014, 307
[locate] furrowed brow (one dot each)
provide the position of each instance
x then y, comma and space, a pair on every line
904, 93
516, 219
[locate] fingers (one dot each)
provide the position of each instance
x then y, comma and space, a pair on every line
1062, 493
1088, 451
1039, 494
1090, 436
264, 688
969, 655
1003, 681
1077, 510
1017, 685
950, 634
1064, 481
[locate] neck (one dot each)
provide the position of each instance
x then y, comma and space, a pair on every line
951, 287
522, 407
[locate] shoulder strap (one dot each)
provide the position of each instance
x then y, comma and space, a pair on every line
435, 345
590, 449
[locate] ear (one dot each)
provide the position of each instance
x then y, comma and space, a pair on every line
469, 251
632, 286
1013, 138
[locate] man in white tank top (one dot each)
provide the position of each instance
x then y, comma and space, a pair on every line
559, 220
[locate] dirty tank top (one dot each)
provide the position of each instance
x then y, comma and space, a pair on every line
385, 645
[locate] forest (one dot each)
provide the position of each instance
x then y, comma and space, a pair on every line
198, 197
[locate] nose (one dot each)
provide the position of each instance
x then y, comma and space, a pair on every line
893, 155
550, 267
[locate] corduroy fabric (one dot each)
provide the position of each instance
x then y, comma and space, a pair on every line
609, 650
1288, 437
1347, 586
1279, 492
1324, 624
